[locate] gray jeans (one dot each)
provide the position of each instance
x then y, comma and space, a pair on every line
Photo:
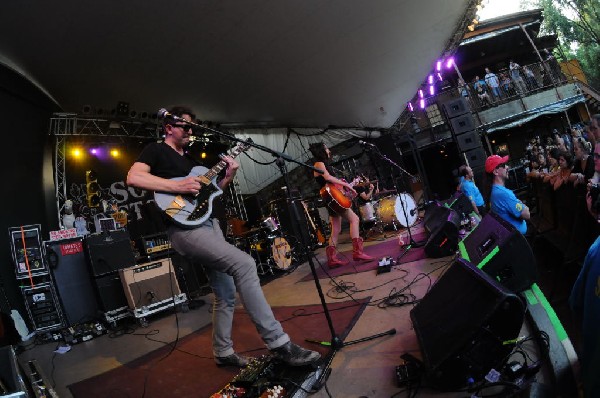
228, 268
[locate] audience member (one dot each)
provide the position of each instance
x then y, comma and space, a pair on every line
493, 82
585, 303
530, 78
583, 167
503, 201
515, 75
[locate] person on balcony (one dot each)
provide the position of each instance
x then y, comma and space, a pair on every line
493, 83
506, 84
530, 78
481, 90
515, 75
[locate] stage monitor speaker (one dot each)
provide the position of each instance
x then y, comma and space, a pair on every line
462, 325
109, 252
462, 124
443, 239
110, 292
460, 203
468, 141
497, 248
149, 283
72, 280
476, 157
456, 107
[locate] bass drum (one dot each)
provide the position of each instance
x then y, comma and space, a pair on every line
393, 208
281, 253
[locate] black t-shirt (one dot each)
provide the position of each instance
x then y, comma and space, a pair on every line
361, 189
166, 162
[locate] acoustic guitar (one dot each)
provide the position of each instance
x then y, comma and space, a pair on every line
337, 197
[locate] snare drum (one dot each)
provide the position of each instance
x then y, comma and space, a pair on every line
367, 212
393, 208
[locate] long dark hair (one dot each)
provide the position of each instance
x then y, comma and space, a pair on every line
318, 151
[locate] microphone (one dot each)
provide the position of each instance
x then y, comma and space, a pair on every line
163, 113
363, 143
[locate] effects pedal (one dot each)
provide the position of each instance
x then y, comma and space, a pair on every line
385, 265
407, 374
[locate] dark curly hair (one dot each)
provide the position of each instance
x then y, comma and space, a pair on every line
567, 156
178, 111
318, 151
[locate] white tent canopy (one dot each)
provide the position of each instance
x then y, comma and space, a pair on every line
292, 63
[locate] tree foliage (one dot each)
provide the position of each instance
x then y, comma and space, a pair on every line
577, 24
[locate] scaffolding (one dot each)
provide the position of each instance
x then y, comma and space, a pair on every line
64, 125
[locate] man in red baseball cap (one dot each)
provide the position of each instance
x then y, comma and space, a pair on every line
503, 201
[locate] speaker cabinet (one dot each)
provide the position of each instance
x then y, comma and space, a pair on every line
476, 157
468, 141
149, 283
109, 252
461, 325
462, 124
110, 292
72, 280
502, 252
456, 107
443, 239
460, 203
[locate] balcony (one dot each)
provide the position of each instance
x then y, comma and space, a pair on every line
546, 90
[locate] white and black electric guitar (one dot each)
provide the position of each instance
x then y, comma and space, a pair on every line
192, 210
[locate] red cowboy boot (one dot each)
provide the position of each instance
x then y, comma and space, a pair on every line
357, 250
332, 259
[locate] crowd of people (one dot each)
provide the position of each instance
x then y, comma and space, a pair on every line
491, 88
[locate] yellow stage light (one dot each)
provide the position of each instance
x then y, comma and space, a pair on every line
115, 153
77, 153
203, 155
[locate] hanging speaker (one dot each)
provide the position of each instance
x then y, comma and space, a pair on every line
462, 324
443, 239
502, 252
456, 107
462, 124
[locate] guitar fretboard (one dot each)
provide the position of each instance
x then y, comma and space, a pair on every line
210, 174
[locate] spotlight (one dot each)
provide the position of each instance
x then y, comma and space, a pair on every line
410, 106
94, 151
438, 66
77, 153
430, 78
449, 63
420, 93
431, 90
422, 103
115, 153
203, 155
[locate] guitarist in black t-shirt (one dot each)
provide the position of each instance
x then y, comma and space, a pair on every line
165, 168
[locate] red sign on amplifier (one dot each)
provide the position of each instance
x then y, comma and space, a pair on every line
71, 248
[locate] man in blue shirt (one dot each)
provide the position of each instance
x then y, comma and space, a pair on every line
468, 187
503, 201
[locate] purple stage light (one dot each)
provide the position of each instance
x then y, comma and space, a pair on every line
94, 151
410, 107
431, 90
422, 103
438, 66
439, 75
421, 93
449, 62
430, 79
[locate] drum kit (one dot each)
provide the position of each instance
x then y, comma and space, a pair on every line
267, 245
389, 209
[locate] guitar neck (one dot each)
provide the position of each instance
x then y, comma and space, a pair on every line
212, 173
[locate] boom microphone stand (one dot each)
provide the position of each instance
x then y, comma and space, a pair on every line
336, 342
411, 242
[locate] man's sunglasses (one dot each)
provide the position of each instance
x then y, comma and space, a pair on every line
184, 127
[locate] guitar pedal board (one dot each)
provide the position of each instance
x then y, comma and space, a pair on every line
267, 377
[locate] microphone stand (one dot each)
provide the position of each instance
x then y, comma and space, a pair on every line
336, 342
411, 243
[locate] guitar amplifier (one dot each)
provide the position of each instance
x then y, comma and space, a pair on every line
149, 284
